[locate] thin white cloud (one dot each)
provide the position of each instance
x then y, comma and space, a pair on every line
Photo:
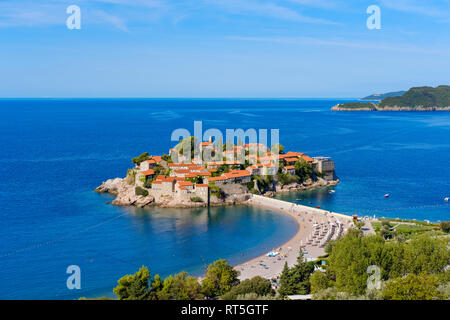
113, 20
53, 12
323, 4
343, 43
431, 8
266, 9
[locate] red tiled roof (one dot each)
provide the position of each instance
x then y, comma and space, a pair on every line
294, 154
218, 163
181, 171
157, 158
201, 186
148, 172
237, 174
182, 165
217, 178
185, 183
206, 144
157, 182
232, 162
151, 161
307, 158
290, 167
204, 174
291, 159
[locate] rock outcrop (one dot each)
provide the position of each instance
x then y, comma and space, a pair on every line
126, 194
306, 185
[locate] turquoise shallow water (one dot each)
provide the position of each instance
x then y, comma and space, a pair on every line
55, 152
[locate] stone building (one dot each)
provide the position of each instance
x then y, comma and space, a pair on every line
325, 166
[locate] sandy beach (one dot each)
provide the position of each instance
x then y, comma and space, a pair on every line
305, 217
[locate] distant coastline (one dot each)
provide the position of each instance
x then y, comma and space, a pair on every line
415, 99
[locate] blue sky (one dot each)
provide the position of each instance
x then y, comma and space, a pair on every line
221, 48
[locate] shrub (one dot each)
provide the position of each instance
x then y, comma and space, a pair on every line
445, 226
216, 191
287, 178
257, 285
196, 199
140, 191
254, 296
413, 287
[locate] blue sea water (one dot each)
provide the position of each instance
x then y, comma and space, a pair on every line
55, 152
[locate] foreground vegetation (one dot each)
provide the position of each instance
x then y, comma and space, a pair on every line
355, 267
220, 281
416, 269
402, 230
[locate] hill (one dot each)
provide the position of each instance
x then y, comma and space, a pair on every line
420, 97
381, 96
415, 99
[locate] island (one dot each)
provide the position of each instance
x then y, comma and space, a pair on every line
237, 173
381, 96
415, 99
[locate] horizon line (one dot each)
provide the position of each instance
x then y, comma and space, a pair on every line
180, 98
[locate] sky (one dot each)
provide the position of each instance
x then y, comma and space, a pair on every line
221, 48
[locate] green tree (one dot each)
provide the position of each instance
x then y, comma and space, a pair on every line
426, 254
141, 158
413, 287
257, 285
296, 279
350, 258
134, 287
219, 278
180, 287
303, 169
157, 285
319, 281
387, 230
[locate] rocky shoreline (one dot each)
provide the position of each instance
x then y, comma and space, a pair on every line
125, 194
341, 107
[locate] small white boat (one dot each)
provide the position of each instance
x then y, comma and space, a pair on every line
386, 195
332, 191
447, 199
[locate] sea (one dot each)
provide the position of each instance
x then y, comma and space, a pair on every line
55, 152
